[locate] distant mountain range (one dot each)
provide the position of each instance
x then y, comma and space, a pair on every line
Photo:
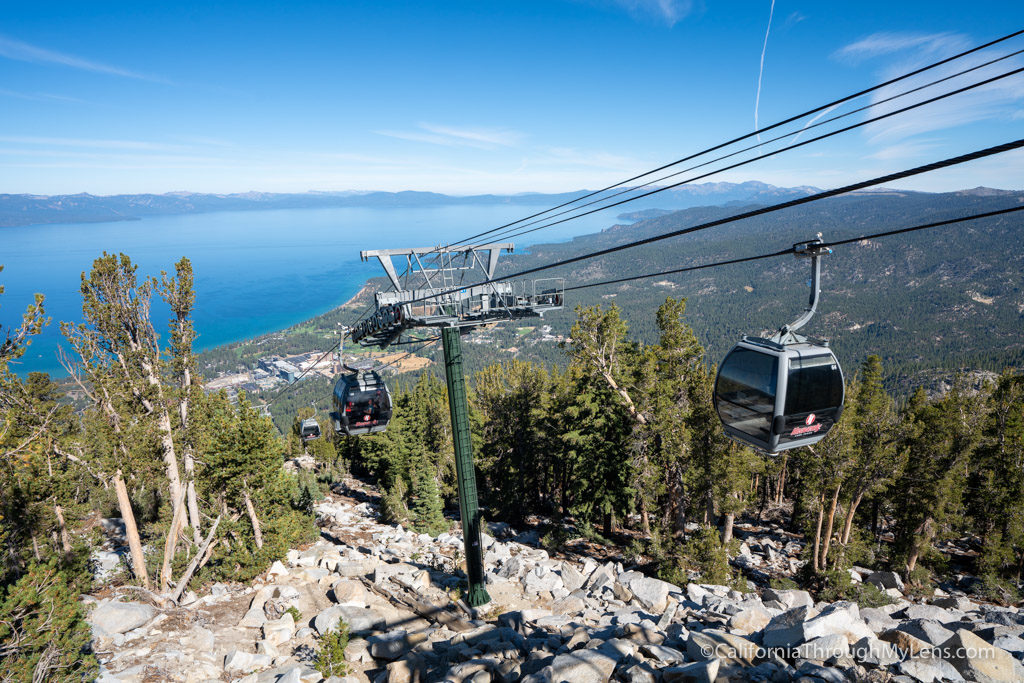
28, 209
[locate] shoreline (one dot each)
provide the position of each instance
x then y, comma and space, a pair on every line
352, 300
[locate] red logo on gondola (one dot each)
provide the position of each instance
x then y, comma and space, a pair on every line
811, 427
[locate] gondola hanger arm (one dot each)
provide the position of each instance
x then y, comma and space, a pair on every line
813, 249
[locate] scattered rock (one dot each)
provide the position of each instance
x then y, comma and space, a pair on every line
244, 662
875, 652
824, 648
652, 593
976, 660
582, 666
885, 580
120, 617
929, 631
713, 644
699, 672
749, 620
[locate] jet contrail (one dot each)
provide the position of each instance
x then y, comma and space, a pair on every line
757, 99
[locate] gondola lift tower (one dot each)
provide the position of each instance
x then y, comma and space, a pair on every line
427, 291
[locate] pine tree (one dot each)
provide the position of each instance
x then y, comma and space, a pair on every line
878, 460
427, 511
940, 437
179, 294
996, 503
511, 407
44, 635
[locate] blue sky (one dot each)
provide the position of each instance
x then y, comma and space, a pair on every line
475, 96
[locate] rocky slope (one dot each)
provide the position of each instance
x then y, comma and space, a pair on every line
549, 620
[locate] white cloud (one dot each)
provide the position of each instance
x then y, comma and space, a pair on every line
907, 150
23, 52
450, 136
669, 12
905, 52
883, 43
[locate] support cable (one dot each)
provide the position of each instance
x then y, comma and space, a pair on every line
759, 131
825, 194
762, 156
285, 388
790, 250
514, 232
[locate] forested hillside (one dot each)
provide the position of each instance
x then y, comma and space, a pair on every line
947, 298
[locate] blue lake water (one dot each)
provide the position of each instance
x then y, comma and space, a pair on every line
255, 271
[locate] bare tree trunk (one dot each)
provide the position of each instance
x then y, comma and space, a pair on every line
915, 551
256, 531
196, 562
779, 494
828, 527
65, 539
35, 549
645, 519
190, 493
634, 413
848, 526
817, 533
171, 543
188, 456
709, 509
609, 523
131, 531
727, 527
170, 459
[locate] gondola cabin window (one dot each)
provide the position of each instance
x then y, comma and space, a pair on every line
746, 392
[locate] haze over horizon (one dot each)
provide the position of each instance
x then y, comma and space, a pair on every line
521, 97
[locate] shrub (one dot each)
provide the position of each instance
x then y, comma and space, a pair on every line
330, 656
998, 590
836, 584
44, 635
705, 553
392, 508
782, 583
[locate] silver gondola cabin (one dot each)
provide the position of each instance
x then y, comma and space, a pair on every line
362, 403
783, 392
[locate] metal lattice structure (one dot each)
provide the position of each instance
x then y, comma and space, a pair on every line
427, 291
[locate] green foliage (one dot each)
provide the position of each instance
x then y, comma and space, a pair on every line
393, 509
836, 584
44, 634
330, 656
705, 553
782, 583
427, 512
997, 589
296, 614
940, 437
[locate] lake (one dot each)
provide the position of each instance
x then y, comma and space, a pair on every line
255, 271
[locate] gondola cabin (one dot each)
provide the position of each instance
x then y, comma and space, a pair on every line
309, 430
774, 396
362, 403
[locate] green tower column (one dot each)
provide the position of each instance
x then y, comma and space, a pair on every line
465, 473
